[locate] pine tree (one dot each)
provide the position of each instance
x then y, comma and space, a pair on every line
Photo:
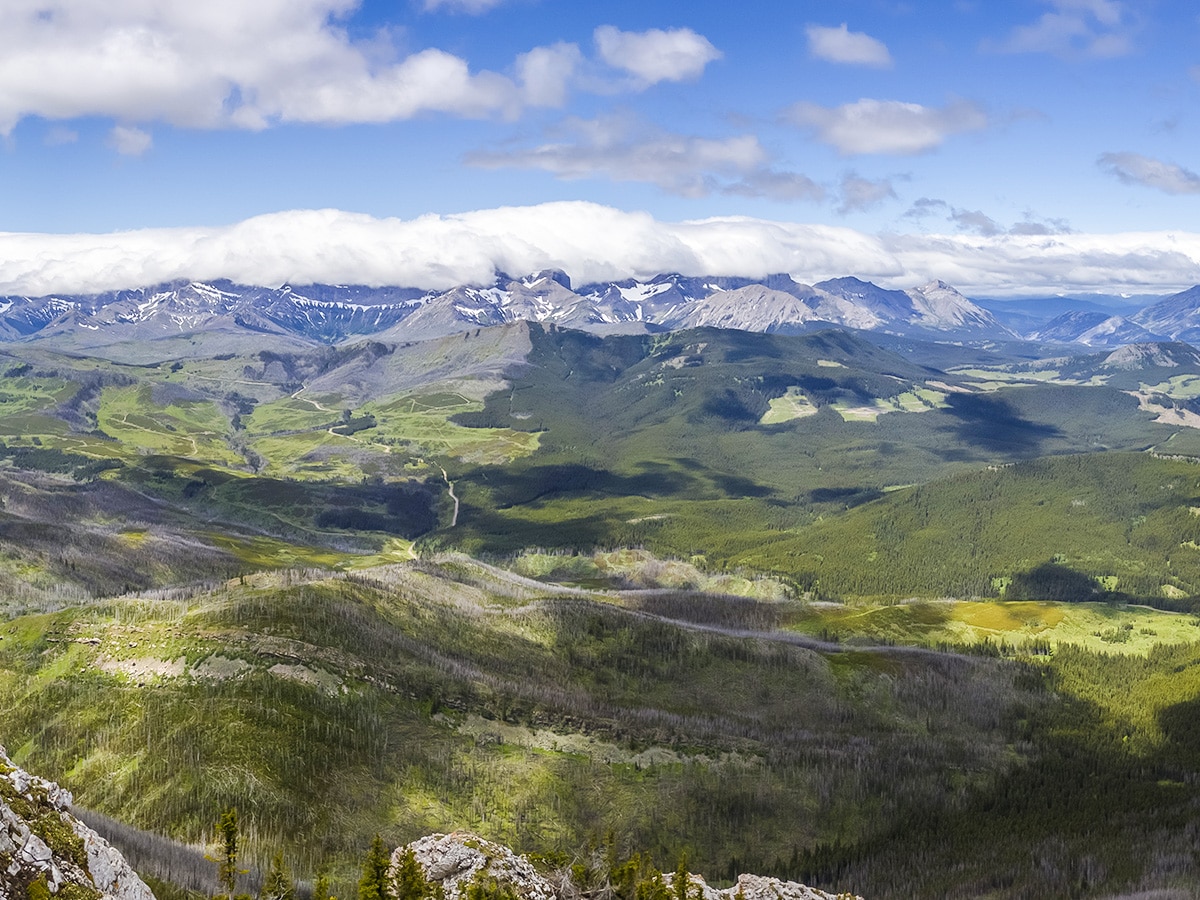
652, 888
409, 882
227, 861
321, 886
681, 882
277, 885
374, 883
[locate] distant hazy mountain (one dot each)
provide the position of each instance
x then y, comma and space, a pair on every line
1177, 316
1027, 315
196, 317
1095, 329
1171, 355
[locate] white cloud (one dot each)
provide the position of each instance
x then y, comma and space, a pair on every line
545, 73
1092, 28
226, 63
591, 243
1133, 168
860, 193
656, 55
886, 126
471, 7
621, 148
840, 45
129, 141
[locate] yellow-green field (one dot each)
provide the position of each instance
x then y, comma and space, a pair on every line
1098, 626
419, 425
792, 405
918, 400
1180, 387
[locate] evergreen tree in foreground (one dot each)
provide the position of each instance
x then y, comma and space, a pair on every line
227, 859
277, 885
410, 883
373, 885
321, 887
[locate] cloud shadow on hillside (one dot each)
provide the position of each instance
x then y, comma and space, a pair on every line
994, 425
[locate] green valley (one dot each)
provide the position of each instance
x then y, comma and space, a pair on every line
793, 604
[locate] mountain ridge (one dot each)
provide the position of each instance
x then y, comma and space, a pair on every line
310, 315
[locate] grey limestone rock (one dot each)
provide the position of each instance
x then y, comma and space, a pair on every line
456, 859
40, 841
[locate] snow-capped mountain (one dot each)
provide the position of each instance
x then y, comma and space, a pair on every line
324, 313
940, 307
287, 315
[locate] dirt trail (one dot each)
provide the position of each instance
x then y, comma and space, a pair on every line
453, 496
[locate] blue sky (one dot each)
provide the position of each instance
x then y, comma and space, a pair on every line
1035, 145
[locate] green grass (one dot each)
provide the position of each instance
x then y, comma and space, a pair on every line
192, 428
792, 405
1099, 627
1182, 387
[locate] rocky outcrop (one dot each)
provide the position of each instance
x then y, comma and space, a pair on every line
758, 887
45, 851
456, 860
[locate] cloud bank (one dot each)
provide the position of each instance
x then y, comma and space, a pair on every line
591, 243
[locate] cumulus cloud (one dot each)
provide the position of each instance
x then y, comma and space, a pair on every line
236, 64
860, 193
1091, 28
591, 243
129, 141
545, 73
886, 126
841, 45
1133, 168
678, 54
621, 148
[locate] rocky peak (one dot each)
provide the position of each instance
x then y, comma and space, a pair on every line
42, 844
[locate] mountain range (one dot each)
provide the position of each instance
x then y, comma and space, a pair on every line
333, 313
201, 318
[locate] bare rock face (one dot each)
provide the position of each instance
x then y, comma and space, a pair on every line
455, 860
758, 887
46, 851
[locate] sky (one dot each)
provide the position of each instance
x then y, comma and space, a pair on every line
1011, 149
